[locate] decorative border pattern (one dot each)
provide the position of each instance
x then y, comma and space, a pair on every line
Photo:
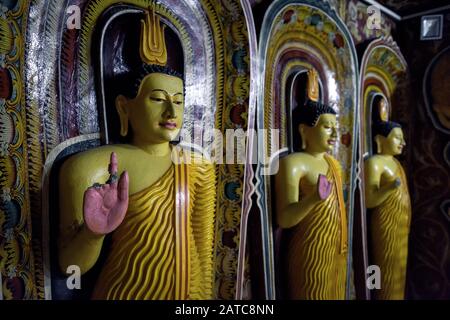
232, 113
17, 272
243, 278
356, 16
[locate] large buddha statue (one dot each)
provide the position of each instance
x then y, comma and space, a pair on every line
389, 220
160, 212
310, 203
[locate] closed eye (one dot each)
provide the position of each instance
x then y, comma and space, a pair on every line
156, 99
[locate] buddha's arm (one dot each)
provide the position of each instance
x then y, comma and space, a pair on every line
376, 195
203, 222
77, 244
290, 211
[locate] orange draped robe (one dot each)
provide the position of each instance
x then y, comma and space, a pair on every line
317, 248
164, 247
390, 223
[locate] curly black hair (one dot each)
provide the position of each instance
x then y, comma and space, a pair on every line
384, 127
308, 114
311, 112
131, 88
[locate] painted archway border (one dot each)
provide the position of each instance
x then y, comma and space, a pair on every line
313, 32
17, 267
243, 279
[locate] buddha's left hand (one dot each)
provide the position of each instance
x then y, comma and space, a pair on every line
323, 187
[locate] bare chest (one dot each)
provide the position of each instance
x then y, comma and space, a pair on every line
389, 173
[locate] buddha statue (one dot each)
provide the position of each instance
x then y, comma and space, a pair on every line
160, 212
386, 193
310, 204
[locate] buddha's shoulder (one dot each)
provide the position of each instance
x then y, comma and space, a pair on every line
97, 157
303, 159
295, 158
374, 160
333, 159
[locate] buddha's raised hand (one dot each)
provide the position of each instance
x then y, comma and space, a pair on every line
105, 205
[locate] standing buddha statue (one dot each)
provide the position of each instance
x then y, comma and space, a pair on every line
386, 193
310, 203
160, 212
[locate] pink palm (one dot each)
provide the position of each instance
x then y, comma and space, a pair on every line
105, 206
323, 187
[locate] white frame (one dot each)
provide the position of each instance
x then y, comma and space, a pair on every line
437, 17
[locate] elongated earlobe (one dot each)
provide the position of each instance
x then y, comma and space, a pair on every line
301, 129
123, 127
121, 106
378, 142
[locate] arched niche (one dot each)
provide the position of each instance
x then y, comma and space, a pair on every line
383, 76
64, 107
296, 36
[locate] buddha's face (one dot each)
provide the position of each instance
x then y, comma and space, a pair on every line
393, 144
156, 113
323, 136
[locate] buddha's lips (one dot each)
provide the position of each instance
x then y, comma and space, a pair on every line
169, 125
331, 142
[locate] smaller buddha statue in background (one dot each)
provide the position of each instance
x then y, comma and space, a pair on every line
386, 193
310, 204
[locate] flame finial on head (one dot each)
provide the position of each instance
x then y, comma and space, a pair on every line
383, 109
153, 44
313, 85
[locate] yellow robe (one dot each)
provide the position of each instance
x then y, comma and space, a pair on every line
390, 223
152, 255
317, 248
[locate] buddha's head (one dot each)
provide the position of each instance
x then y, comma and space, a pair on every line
318, 127
153, 106
389, 138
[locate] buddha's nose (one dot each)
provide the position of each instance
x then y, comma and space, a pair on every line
170, 110
334, 133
